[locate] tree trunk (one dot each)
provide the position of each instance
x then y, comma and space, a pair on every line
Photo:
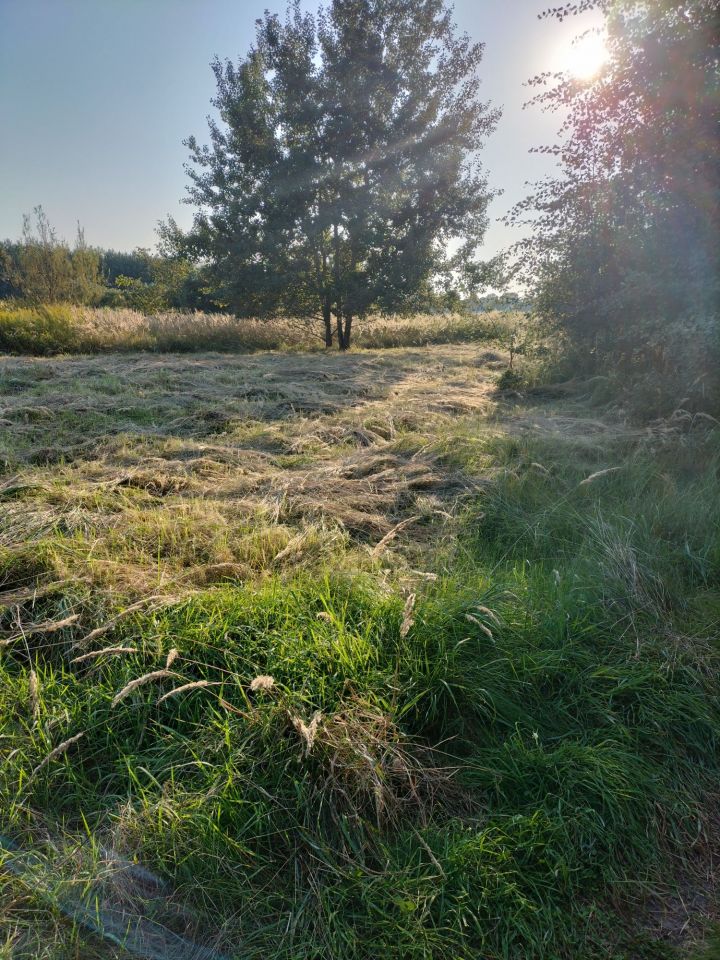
347, 331
327, 320
344, 328
338, 295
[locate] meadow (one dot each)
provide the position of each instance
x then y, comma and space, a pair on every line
47, 329
311, 655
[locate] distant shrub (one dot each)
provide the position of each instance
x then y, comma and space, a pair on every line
38, 330
43, 269
510, 380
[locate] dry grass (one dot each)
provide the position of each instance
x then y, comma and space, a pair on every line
369, 762
158, 476
64, 328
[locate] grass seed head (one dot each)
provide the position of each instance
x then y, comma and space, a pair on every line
140, 682
263, 683
307, 732
34, 695
57, 752
408, 618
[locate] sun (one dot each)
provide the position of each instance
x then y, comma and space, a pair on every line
585, 58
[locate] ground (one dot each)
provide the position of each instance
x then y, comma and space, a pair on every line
229, 467
489, 619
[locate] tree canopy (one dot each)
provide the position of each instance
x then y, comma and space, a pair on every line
624, 241
343, 166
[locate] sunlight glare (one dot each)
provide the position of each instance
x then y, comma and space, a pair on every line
585, 58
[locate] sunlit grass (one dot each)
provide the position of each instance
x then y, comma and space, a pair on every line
57, 329
513, 764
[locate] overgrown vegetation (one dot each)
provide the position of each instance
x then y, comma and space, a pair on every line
623, 253
46, 329
42, 270
446, 669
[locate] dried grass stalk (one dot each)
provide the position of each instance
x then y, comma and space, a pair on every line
479, 624
195, 685
488, 613
12, 597
408, 619
391, 534
50, 626
34, 695
294, 548
171, 657
105, 652
307, 732
140, 682
56, 752
707, 417
99, 631
597, 475
368, 758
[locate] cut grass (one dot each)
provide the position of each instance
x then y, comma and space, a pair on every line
518, 763
256, 470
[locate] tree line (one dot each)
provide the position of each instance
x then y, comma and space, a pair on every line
42, 268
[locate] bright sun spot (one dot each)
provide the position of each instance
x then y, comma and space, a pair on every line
585, 58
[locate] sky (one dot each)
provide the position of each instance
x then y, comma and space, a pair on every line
96, 97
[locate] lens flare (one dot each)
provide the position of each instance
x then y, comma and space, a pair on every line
585, 58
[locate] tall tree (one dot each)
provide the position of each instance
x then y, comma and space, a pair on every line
344, 164
624, 247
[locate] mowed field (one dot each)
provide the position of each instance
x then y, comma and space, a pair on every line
311, 656
172, 472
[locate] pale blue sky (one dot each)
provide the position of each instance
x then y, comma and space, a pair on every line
96, 97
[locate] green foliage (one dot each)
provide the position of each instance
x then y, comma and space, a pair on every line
710, 950
44, 329
43, 269
624, 248
40, 269
343, 164
115, 263
510, 379
164, 283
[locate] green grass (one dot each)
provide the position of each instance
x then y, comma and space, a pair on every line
515, 773
39, 330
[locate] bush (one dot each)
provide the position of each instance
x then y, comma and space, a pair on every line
510, 380
38, 330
